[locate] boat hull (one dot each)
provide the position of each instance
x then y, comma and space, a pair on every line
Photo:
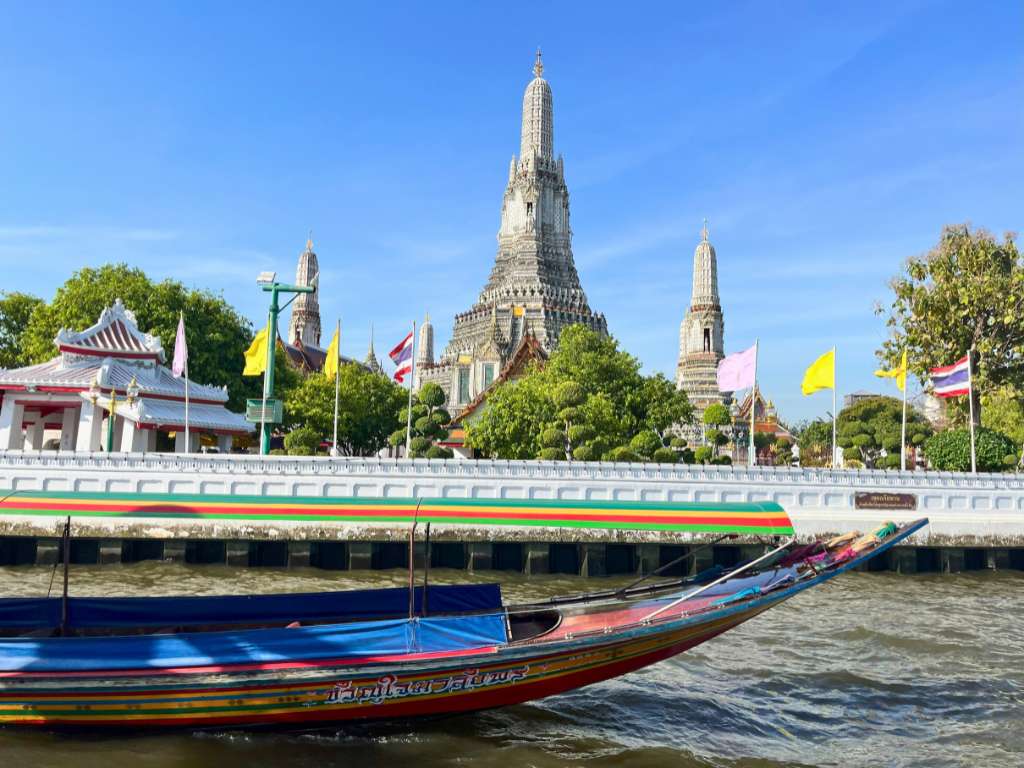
326, 692
318, 696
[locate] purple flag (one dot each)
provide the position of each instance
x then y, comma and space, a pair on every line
738, 370
180, 364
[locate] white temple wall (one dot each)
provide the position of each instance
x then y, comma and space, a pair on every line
965, 510
11, 416
90, 429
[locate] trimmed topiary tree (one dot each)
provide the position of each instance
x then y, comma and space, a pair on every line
646, 443
951, 450
665, 456
702, 455
302, 441
623, 453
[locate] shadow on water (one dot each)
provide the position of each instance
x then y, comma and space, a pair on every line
870, 670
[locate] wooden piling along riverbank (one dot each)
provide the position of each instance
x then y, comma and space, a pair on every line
355, 513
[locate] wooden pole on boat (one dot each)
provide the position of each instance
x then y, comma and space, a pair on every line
412, 571
716, 582
66, 553
426, 568
666, 566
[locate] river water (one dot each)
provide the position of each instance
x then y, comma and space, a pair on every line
868, 670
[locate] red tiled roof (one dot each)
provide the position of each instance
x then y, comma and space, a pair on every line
529, 349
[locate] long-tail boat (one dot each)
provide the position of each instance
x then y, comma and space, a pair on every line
316, 660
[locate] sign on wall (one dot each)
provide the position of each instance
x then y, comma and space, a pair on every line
874, 500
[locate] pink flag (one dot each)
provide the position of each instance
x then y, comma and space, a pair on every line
738, 370
180, 364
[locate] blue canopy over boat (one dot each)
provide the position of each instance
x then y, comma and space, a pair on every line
114, 612
353, 640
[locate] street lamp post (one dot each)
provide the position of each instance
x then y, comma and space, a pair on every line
269, 284
130, 394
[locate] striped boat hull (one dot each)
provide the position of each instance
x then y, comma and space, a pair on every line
322, 694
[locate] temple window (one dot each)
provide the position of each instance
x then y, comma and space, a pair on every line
488, 374
529, 209
707, 339
463, 385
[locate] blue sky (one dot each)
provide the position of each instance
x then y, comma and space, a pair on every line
825, 145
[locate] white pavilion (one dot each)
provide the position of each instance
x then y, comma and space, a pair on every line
65, 404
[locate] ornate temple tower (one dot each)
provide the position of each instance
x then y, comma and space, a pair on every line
304, 325
425, 347
534, 283
371, 360
701, 334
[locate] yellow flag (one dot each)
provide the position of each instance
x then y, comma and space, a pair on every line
331, 361
821, 374
256, 355
899, 373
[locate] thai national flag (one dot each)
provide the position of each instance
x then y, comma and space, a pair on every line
402, 357
952, 380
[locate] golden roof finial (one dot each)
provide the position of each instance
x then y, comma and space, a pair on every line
538, 65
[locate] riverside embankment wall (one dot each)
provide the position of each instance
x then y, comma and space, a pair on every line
974, 519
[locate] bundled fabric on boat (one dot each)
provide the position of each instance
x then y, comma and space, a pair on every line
93, 612
355, 641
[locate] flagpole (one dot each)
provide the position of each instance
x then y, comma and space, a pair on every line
337, 367
903, 429
188, 440
753, 405
970, 397
835, 386
412, 378
265, 444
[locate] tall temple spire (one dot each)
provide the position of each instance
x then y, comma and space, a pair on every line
304, 325
371, 360
701, 334
425, 350
537, 135
533, 286
705, 272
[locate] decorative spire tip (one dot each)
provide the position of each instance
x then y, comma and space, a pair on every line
538, 65
704, 230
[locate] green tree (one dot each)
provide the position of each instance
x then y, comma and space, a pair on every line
1004, 412
512, 419
588, 401
815, 441
646, 443
951, 450
659, 406
716, 416
15, 311
303, 441
217, 334
966, 292
429, 424
368, 407
874, 425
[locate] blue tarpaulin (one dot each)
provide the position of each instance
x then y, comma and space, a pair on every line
114, 612
330, 641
